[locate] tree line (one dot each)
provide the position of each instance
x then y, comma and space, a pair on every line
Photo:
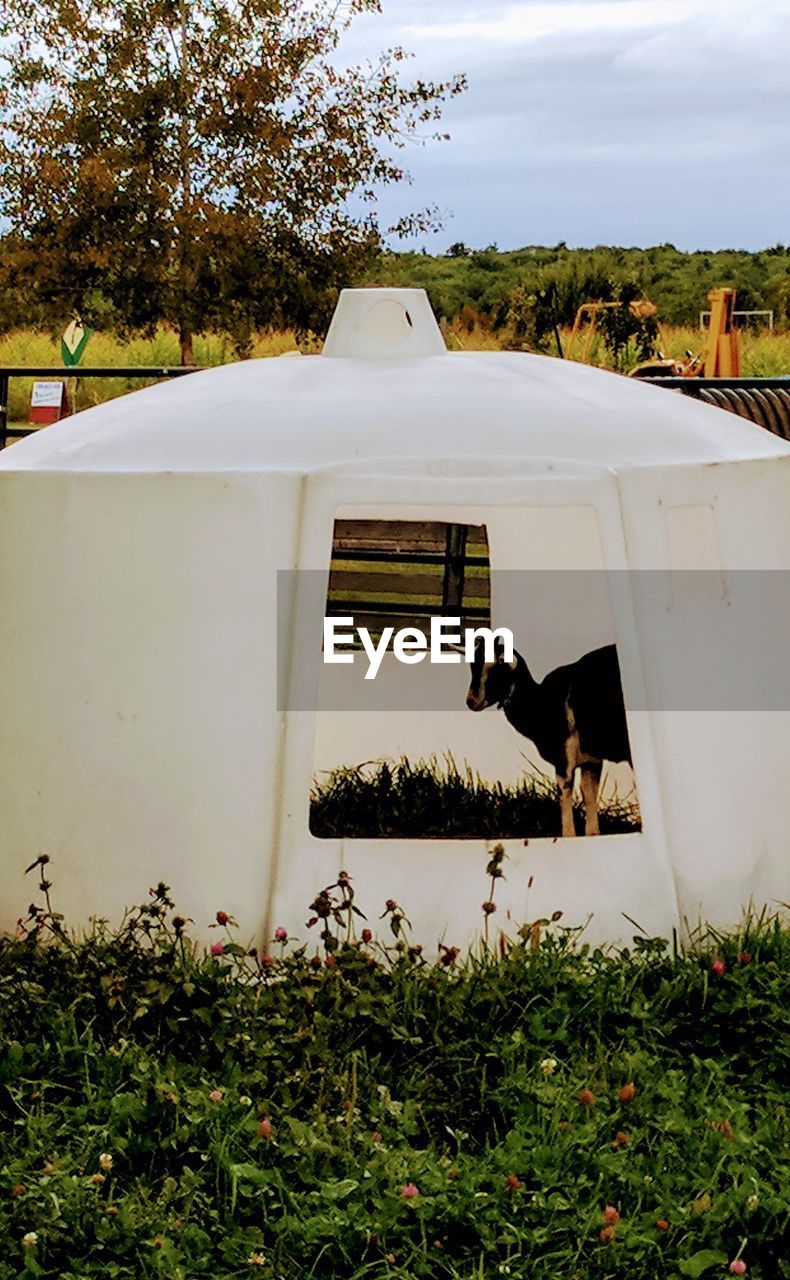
538, 286
526, 291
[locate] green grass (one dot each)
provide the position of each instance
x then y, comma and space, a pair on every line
431, 799
763, 354
28, 347
263, 1117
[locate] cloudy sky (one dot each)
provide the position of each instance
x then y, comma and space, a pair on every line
628, 122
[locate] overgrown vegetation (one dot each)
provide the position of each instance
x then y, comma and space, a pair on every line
32, 348
512, 299
469, 284
543, 1110
433, 799
525, 300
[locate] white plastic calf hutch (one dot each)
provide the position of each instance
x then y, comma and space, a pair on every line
140, 543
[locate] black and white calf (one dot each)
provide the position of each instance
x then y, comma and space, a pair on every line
575, 716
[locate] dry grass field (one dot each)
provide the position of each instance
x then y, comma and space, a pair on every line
28, 347
764, 355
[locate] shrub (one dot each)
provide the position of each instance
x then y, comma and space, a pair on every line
169, 1113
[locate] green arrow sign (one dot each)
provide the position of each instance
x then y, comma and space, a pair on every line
74, 342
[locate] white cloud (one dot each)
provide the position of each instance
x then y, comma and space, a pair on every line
711, 42
630, 121
523, 22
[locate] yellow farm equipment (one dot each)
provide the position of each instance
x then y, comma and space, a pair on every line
720, 359
723, 356
585, 324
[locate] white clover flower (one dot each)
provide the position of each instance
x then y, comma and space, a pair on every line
548, 1066
30, 1240
256, 1260
105, 1161
648, 1179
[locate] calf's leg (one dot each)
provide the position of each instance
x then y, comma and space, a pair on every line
590, 781
565, 784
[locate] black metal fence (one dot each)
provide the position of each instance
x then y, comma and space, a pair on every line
7, 372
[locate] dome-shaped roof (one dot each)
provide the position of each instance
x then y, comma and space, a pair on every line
387, 400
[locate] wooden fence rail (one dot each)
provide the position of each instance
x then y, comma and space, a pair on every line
404, 572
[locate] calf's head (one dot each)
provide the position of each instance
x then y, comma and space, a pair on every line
491, 682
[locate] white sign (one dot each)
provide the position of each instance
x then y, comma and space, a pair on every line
47, 395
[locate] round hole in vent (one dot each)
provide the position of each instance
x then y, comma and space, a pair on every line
388, 323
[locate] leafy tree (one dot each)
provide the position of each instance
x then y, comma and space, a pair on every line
207, 163
629, 332
529, 318
777, 295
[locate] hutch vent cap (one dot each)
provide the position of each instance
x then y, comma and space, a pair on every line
383, 324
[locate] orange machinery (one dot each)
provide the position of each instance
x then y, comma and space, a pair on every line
723, 354
720, 359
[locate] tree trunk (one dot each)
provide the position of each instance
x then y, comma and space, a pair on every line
185, 232
185, 337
